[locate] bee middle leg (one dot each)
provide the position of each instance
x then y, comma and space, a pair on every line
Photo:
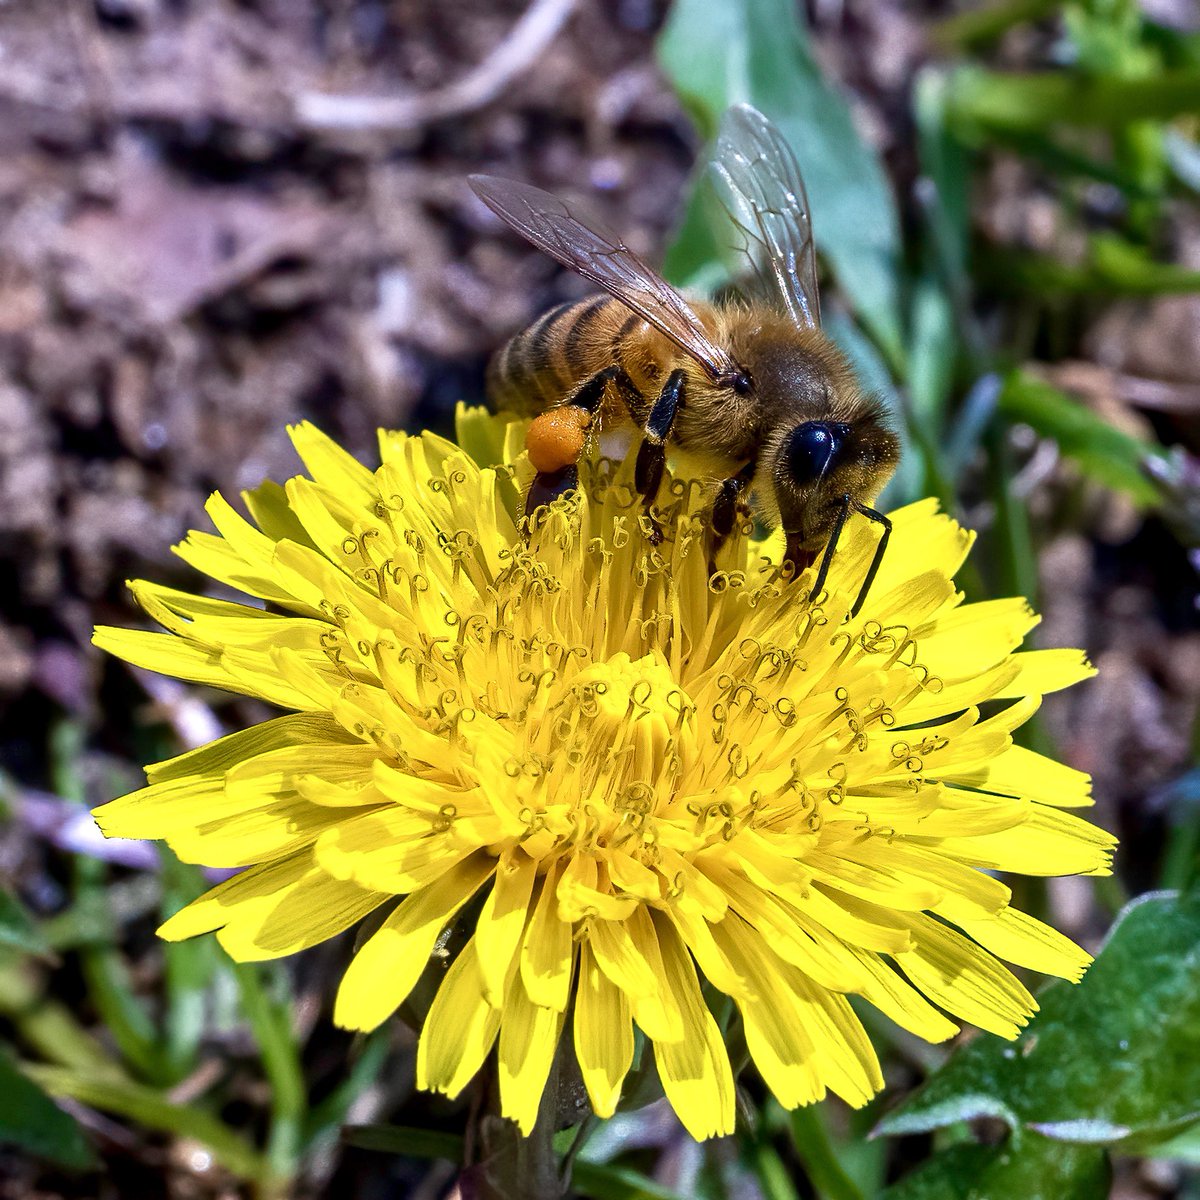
652, 454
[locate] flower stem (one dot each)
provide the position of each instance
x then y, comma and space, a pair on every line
811, 1139
511, 1165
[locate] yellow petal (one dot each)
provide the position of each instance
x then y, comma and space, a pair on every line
528, 1039
547, 951
502, 922
965, 979
388, 965
1019, 938
459, 1030
694, 1070
268, 912
628, 953
331, 466
776, 1036
299, 730
1047, 842
903, 1004
845, 1057
603, 1034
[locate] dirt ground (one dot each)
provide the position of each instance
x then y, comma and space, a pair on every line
197, 248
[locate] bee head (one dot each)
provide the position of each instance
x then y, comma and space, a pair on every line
822, 437
818, 462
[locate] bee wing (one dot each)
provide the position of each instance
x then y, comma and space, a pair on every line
758, 181
606, 261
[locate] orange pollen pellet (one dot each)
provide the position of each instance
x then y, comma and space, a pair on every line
555, 439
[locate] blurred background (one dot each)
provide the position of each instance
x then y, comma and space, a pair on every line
222, 216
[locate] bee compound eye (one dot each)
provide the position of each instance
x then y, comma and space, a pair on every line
812, 447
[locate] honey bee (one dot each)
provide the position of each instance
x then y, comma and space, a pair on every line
750, 386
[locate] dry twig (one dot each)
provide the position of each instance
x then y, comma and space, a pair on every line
537, 28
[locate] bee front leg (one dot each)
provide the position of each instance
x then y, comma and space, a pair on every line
725, 508
652, 454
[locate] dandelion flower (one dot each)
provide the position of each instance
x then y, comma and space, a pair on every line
640, 789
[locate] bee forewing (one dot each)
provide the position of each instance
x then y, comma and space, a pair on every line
605, 260
758, 181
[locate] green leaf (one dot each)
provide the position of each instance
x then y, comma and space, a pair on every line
1181, 1147
31, 1120
402, 1139
599, 1180
1113, 267
1113, 1060
757, 51
152, 1108
978, 25
603, 1181
1108, 455
810, 1136
17, 928
980, 100
1031, 1168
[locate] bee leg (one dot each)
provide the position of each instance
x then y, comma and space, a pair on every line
725, 508
872, 515
557, 437
830, 546
652, 454
547, 486
849, 504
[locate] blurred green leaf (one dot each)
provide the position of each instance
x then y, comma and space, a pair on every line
1104, 452
981, 101
32, 1121
1181, 1147
604, 1182
189, 970
932, 354
155, 1110
270, 1019
403, 1139
771, 1174
17, 928
1028, 1168
598, 1180
1110, 1061
1113, 266
983, 23
757, 51
944, 188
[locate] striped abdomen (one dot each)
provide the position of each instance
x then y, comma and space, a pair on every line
543, 365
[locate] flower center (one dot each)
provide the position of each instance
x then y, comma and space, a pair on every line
607, 742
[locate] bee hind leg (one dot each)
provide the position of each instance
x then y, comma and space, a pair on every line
556, 439
547, 486
652, 454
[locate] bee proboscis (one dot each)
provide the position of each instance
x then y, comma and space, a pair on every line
751, 387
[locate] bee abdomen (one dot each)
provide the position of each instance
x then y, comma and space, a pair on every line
543, 364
